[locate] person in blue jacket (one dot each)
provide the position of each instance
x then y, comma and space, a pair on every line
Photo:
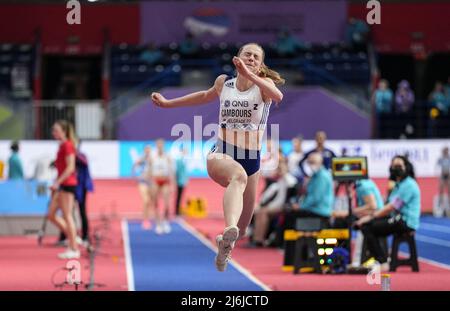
319, 197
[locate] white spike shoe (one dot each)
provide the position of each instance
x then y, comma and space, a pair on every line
225, 243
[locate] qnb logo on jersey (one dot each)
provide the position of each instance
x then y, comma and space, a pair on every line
236, 103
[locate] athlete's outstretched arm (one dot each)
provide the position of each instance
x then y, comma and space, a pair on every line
266, 85
196, 98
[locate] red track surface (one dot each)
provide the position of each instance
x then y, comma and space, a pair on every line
25, 266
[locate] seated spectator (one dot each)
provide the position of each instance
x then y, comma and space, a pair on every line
404, 97
151, 55
287, 44
272, 203
400, 215
319, 197
438, 98
368, 200
189, 46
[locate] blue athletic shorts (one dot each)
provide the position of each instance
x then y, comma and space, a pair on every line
249, 159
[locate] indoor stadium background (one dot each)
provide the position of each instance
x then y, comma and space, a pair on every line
99, 75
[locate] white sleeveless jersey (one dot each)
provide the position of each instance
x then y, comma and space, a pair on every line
242, 110
161, 166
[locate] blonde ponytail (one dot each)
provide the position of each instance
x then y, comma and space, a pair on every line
266, 72
69, 130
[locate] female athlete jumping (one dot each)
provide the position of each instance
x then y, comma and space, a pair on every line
234, 160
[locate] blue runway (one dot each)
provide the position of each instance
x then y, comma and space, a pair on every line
433, 239
179, 261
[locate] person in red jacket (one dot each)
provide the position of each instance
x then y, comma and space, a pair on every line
63, 189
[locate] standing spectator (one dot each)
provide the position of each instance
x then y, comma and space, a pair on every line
294, 158
444, 177
327, 154
15, 171
404, 101
85, 185
438, 99
382, 99
404, 97
181, 176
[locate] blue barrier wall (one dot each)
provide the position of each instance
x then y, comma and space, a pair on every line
20, 198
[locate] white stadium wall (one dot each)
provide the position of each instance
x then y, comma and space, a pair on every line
103, 156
